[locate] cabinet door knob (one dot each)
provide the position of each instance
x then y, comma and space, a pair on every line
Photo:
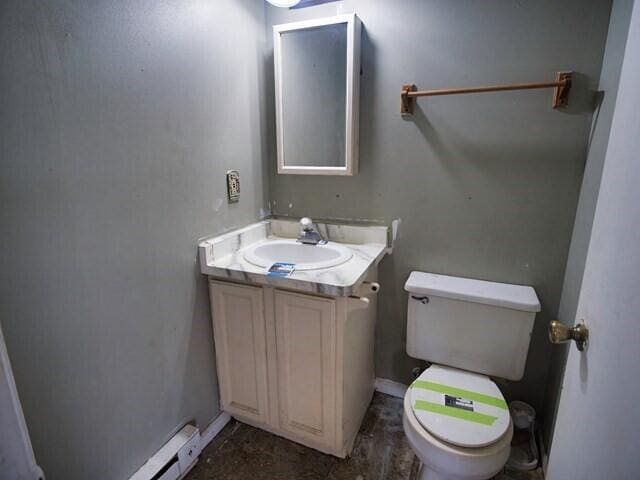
560, 333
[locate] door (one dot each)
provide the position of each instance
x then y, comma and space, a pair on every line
597, 433
17, 461
306, 351
239, 333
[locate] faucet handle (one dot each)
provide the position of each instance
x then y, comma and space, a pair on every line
306, 223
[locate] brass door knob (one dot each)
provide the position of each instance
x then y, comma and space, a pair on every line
560, 333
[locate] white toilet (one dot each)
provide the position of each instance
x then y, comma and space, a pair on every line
455, 417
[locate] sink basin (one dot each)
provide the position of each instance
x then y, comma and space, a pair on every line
305, 257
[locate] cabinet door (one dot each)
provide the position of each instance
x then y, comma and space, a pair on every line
239, 333
305, 340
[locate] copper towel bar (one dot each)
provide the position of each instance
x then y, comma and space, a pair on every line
561, 87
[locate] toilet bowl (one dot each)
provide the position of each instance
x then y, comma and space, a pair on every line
455, 417
483, 456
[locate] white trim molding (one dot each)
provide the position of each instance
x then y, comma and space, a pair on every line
389, 387
16, 453
214, 429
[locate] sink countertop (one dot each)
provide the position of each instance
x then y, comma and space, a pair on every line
221, 256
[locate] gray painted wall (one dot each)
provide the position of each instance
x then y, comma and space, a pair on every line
118, 122
608, 86
486, 185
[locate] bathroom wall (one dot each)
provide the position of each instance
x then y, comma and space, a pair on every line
608, 88
486, 185
118, 121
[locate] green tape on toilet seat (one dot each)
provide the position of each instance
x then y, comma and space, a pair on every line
460, 392
455, 412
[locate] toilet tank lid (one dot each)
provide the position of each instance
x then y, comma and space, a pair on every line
517, 297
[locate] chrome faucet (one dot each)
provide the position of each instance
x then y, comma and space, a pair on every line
309, 235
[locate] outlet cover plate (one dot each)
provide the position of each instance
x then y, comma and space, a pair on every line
233, 186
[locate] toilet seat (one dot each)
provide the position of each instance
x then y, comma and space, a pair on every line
458, 407
445, 460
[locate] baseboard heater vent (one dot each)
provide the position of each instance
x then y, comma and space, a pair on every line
175, 459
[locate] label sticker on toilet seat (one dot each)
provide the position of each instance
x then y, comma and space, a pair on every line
458, 402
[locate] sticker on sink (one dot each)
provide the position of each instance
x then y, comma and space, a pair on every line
280, 269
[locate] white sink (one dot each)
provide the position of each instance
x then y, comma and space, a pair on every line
305, 257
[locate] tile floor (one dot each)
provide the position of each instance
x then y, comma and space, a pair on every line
381, 452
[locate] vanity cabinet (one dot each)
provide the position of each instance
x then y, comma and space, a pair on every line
298, 365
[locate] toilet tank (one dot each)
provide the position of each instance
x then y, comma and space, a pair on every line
473, 325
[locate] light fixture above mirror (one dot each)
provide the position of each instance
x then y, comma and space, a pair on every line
284, 3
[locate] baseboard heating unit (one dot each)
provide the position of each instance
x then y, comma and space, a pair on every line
175, 459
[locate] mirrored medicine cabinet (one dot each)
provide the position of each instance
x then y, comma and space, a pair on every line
317, 86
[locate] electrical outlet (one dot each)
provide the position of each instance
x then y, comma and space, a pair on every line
233, 186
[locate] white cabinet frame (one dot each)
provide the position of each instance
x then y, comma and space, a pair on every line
354, 29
